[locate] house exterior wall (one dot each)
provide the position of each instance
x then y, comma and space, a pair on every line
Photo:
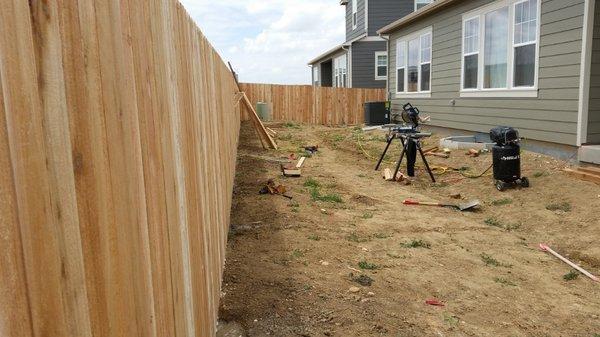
360, 27
551, 117
384, 12
363, 64
593, 135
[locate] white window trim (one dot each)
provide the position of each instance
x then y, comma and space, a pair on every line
422, 2
354, 14
387, 63
405, 40
510, 90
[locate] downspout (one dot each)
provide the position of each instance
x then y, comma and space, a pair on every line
387, 79
585, 74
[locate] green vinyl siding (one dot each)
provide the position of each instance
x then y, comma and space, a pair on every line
552, 116
593, 135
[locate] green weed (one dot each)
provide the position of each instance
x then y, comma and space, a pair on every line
416, 244
311, 182
563, 206
353, 237
292, 125
451, 320
570, 276
297, 253
497, 223
367, 215
382, 235
367, 265
490, 261
314, 237
540, 174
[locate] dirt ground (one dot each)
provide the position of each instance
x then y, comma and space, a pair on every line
345, 257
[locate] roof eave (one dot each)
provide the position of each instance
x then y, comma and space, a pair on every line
432, 8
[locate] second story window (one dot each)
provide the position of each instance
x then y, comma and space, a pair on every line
381, 65
421, 3
354, 14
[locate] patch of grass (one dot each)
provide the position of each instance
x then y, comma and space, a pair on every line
451, 320
367, 265
497, 223
562, 206
314, 237
286, 137
504, 281
382, 235
367, 215
311, 182
570, 276
294, 204
292, 125
297, 253
440, 185
416, 244
540, 174
362, 175
491, 261
502, 202
333, 197
353, 237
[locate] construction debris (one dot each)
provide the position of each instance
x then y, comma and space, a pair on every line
311, 149
435, 302
461, 207
300, 162
473, 153
387, 175
587, 173
274, 189
545, 248
436, 154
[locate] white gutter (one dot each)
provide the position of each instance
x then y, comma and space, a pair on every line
585, 72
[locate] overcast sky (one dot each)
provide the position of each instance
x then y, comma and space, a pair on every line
270, 41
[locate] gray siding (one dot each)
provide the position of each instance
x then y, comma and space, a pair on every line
384, 12
363, 64
594, 107
360, 27
552, 116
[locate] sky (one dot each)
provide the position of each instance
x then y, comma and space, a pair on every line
270, 41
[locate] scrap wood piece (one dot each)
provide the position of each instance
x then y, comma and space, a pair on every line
290, 170
274, 189
259, 126
433, 149
271, 130
546, 248
583, 175
387, 175
441, 155
473, 153
300, 162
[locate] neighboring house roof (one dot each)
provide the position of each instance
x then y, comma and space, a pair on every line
327, 53
432, 8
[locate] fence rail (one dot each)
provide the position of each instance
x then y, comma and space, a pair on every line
313, 105
118, 140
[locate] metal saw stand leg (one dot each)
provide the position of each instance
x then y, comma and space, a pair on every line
425, 161
420, 149
404, 149
389, 142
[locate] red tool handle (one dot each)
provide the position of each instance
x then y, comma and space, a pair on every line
418, 203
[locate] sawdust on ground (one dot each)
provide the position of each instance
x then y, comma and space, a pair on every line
302, 267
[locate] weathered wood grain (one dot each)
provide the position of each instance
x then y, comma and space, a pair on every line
118, 141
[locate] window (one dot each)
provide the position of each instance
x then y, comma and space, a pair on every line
413, 64
500, 50
354, 14
381, 65
316, 75
421, 3
340, 76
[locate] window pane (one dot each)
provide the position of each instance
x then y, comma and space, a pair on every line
496, 49
426, 77
381, 71
471, 42
382, 60
426, 48
400, 46
413, 65
526, 22
400, 80
525, 66
470, 75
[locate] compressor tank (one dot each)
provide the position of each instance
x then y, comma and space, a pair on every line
507, 162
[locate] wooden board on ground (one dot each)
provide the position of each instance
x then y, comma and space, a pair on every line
300, 162
595, 178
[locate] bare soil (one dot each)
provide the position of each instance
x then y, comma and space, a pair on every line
302, 267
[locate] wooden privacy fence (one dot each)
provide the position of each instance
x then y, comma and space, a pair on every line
118, 140
313, 105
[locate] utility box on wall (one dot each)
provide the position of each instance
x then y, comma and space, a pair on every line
377, 113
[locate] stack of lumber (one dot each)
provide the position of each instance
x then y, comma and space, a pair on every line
588, 173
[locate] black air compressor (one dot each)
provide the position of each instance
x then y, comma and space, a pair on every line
507, 158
